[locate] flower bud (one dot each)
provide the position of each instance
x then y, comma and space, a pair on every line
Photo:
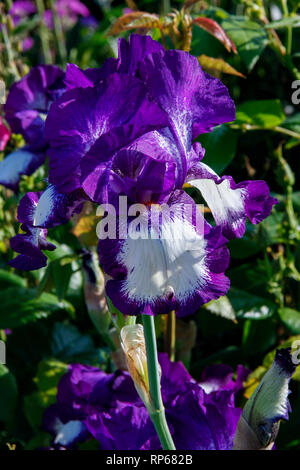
133, 344
267, 406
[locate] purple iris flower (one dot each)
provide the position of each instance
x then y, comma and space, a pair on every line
26, 108
91, 403
192, 102
21, 9
128, 128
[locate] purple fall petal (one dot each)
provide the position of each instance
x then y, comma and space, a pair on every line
23, 161
232, 203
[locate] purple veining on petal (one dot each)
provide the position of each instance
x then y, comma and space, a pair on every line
110, 115
194, 101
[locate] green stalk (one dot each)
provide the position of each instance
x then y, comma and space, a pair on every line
289, 28
281, 130
9, 50
156, 411
170, 336
59, 34
44, 32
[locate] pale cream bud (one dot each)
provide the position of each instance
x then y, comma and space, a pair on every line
133, 344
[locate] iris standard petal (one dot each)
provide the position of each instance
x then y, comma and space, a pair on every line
96, 121
194, 101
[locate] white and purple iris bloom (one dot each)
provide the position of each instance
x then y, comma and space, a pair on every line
128, 128
26, 109
93, 404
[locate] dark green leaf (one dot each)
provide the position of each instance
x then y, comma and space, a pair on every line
220, 147
249, 37
249, 306
10, 279
48, 375
258, 337
248, 245
262, 113
34, 407
20, 306
8, 394
292, 123
69, 345
291, 319
273, 228
61, 275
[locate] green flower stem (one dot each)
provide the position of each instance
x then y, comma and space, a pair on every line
289, 28
9, 50
156, 411
60, 37
281, 130
44, 32
170, 336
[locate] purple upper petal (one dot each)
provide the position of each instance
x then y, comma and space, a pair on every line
86, 126
134, 51
131, 53
29, 100
194, 101
21, 9
78, 78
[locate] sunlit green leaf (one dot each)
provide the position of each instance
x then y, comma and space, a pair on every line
262, 113
249, 37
